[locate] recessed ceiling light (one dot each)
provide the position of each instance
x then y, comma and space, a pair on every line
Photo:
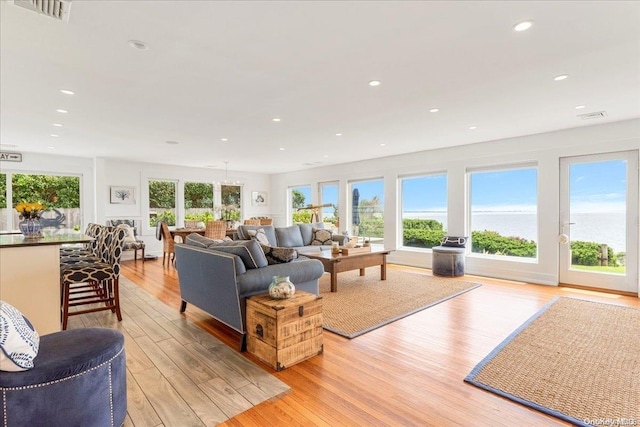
560, 77
51, 147
173, 142
473, 127
338, 134
58, 125
523, 26
8, 145
60, 110
53, 135
325, 156
434, 110
223, 139
137, 44
281, 148
275, 119
374, 83
580, 107
67, 91
382, 145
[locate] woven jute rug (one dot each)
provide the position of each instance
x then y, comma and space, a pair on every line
576, 360
364, 303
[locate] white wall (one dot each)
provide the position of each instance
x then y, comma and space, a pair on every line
111, 172
545, 149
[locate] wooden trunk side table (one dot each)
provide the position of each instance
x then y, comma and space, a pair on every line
284, 332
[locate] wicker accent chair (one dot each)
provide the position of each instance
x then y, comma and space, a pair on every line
252, 222
168, 245
216, 230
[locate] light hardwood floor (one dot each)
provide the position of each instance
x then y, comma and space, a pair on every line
408, 373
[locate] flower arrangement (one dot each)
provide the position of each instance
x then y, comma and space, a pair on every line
29, 210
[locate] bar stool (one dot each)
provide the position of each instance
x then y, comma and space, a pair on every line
93, 283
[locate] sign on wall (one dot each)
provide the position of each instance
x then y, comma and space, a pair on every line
10, 157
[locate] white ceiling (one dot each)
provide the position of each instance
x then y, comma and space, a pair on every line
225, 69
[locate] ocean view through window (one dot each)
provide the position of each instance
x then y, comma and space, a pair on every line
424, 210
503, 211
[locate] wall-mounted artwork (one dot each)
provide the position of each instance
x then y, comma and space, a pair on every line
123, 195
259, 198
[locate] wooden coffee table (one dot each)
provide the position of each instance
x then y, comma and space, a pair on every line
335, 264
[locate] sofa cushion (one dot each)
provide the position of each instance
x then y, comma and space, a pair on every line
269, 231
289, 237
248, 250
321, 237
194, 239
306, 230
277, 255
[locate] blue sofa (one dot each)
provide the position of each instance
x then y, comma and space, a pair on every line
218, 277
297, 236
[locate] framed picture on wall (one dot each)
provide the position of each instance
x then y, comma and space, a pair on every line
259, 198
122, 195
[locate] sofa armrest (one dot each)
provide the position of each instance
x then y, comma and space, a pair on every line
207, 280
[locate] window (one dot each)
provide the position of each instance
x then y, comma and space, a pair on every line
367, 210
231, 198
424, 210
300, 197
198, 201
329, 201
162, 202
59, 194
504, 219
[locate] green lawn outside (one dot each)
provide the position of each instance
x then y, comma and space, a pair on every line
600, 269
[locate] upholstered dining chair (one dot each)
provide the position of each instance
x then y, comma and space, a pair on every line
131, 240
252, 222
216, 229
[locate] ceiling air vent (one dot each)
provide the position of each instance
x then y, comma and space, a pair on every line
58, 9
595, 115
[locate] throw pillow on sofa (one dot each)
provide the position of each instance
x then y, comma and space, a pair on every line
321, 237
19, 341
259, 235
279, 255
248, 250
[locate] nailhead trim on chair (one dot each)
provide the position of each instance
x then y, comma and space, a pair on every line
5, 389
59, 380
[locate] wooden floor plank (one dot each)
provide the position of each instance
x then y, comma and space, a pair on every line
160, 360
206, 410
166, 401
192, 366
225, 397
139, 410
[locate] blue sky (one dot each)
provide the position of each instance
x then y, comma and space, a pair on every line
594, 187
